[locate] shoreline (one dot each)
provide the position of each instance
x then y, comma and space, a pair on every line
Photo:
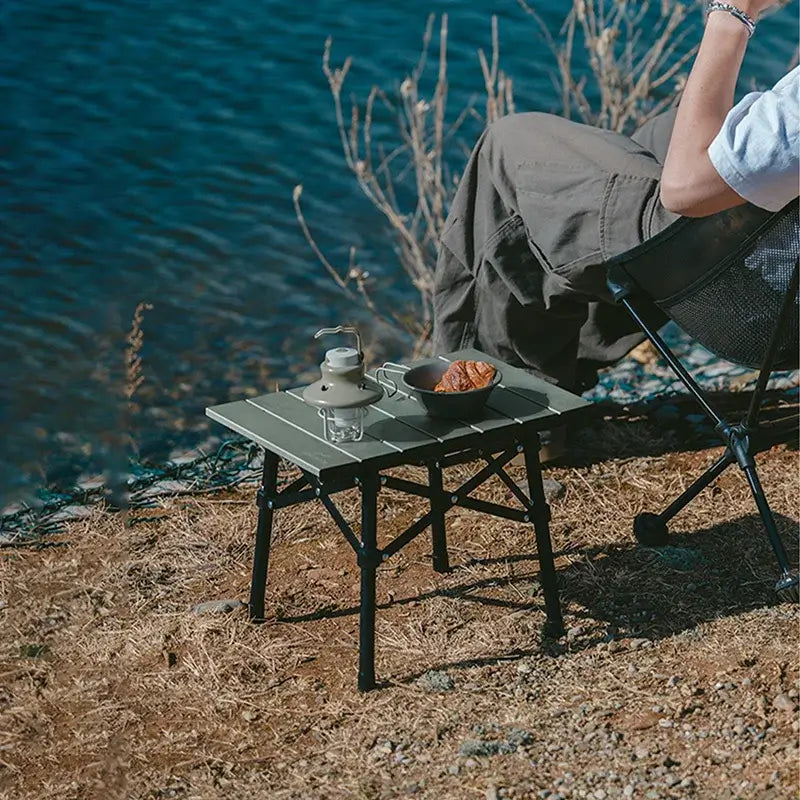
638, 385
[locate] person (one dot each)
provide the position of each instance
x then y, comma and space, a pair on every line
545, 202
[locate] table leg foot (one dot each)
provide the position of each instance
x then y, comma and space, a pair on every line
541, 521
258, 583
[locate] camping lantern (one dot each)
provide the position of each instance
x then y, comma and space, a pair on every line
343, 392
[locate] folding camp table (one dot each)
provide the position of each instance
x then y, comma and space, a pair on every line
398, 432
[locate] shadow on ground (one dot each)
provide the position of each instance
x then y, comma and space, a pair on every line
624, 591
666, 425
701, 575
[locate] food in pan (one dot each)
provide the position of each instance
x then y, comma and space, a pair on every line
463, 376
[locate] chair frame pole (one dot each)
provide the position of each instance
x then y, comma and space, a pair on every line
740, 448
706, 479
676, 365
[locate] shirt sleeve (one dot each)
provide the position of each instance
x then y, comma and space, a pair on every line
757, 151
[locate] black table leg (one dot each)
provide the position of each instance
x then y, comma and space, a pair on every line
258, 583
541, 521
368, 560
441, 562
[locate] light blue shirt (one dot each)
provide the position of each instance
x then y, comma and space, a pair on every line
757, 151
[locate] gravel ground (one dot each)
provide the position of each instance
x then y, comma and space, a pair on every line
678, 677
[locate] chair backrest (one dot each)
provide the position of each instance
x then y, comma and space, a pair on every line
723, 279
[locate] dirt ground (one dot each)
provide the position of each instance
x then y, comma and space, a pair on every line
678, 677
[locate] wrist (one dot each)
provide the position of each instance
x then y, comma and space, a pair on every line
732, 15
724, 23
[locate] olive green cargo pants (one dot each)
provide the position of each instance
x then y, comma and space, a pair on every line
542, 205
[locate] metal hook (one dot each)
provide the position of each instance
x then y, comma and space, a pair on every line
390, 366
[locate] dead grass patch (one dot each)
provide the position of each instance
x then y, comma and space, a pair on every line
110, 686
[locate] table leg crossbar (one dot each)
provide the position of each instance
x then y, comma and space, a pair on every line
369, 555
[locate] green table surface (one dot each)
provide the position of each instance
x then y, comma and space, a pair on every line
396, 429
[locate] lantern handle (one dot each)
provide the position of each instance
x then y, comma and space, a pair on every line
343, 329
390, 366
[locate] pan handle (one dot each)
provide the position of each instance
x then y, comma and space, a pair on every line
386, 368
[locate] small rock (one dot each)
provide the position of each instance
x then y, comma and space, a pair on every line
33, 650
641, 752
574, 633
218, 607
524, 668
249, 715
453, 769
637, 644
491, 792
552, 489
628, 790
672, 780
783, 702
600, 794
435, 681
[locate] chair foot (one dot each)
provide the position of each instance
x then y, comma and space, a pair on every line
553, 629
787, 588
650, 530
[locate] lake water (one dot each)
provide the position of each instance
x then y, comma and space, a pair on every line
148, 153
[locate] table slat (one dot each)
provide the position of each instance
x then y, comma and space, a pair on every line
304, 418
267, 430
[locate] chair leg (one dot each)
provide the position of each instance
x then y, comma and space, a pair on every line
676, 366
438, 507
651, 529
787, 584
554, 626
258, 582
368, 560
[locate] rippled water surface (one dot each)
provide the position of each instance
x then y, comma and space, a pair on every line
148, 152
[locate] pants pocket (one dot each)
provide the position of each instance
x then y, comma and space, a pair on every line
628, 208
561, 207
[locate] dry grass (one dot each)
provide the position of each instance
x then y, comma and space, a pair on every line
111, 687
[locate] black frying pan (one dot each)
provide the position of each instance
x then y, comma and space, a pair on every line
420, 381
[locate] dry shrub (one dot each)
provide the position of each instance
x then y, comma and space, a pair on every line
635, 56
414, 166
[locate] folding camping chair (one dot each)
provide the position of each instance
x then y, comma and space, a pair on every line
730, 281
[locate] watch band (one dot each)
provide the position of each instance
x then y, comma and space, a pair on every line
745, 19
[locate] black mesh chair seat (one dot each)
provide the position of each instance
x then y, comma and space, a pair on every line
730, 281
723, 279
